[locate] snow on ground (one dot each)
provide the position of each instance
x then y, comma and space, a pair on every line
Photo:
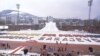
70, 40
7, 39
50, 28
19, 52
7, 52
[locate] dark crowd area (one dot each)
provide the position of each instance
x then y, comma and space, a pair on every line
92, 26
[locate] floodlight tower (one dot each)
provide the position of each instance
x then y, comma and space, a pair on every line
90, 4
18, 7
89, 22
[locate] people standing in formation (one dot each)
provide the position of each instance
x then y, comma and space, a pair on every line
5, 45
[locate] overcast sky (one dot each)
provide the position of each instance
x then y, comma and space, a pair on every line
55, 8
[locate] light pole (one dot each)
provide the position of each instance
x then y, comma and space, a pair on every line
89, 22
18, 7
90, 4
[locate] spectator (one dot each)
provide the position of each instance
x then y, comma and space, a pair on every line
78, 53
25, 51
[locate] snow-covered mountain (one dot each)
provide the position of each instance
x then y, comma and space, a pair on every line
23, 16
13, 12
